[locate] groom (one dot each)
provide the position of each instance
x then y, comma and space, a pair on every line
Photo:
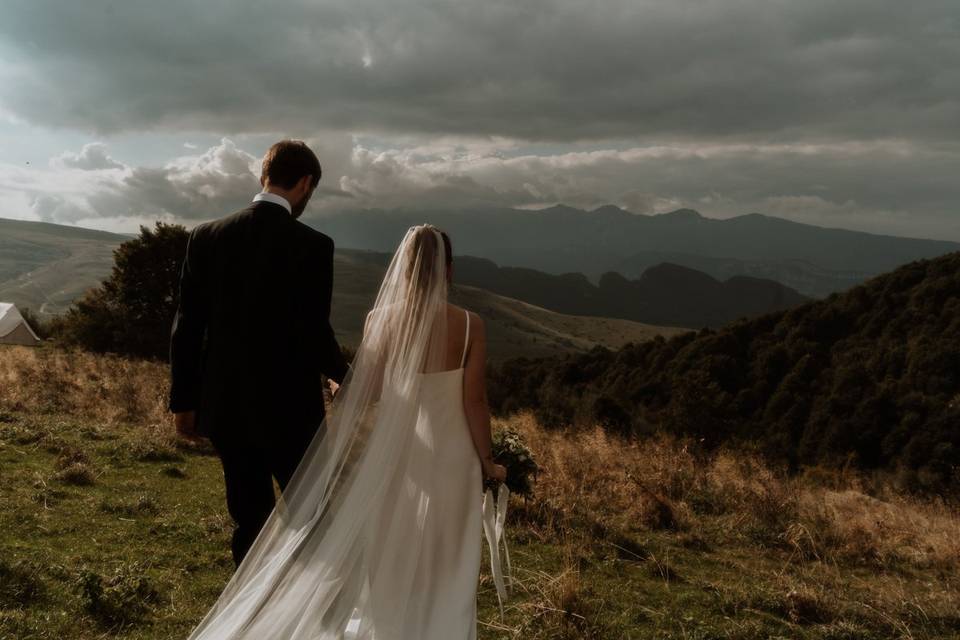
252, 337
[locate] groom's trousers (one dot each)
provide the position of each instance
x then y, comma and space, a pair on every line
249, 469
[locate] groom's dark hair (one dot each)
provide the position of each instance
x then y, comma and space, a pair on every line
286, 162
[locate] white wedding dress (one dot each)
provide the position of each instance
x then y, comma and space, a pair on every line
378, 533
436, 499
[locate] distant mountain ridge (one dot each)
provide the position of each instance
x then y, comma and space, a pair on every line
802, 275
665, 294
561, 239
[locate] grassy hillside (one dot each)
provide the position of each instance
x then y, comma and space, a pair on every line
868, 377
517, 328
45, 267
111, 528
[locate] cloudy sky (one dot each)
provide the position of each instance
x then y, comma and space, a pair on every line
841, 113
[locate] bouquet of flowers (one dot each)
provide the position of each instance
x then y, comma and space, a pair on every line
510, 450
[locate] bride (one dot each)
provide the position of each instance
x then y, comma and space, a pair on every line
377, 535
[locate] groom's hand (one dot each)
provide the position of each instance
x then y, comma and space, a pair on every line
334, 387
186, 423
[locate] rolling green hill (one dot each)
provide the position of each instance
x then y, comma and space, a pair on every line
45, 267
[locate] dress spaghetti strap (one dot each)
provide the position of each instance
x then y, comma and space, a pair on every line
466, 341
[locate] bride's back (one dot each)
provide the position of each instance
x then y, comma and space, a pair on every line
456, 338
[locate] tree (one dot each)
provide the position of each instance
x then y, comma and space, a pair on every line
130, 313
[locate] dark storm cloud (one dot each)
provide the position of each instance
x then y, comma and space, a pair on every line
540, 69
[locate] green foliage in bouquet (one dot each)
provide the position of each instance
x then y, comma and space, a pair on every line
510, 450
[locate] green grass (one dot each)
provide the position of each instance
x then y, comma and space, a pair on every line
140, 549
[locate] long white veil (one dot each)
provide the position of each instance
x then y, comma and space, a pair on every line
336, 556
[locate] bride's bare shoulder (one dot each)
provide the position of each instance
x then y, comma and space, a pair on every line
456, 311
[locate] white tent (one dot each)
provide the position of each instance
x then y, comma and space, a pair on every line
13, 328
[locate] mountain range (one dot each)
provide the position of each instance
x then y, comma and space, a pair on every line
813, 260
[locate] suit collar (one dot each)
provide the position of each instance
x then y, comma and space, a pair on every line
273, 198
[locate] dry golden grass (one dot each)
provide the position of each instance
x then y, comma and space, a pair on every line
594, 481
107, 389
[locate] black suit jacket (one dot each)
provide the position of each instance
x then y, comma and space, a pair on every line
252, 336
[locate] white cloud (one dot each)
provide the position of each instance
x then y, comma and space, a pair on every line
194, 187
188, 188
92, 157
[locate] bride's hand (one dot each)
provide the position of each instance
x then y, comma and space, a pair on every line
494, 471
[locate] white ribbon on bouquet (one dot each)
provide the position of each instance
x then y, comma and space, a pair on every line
494, 517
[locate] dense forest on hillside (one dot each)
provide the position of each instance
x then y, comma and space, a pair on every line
869, 377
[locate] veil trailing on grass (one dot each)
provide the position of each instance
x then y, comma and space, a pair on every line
336, 557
